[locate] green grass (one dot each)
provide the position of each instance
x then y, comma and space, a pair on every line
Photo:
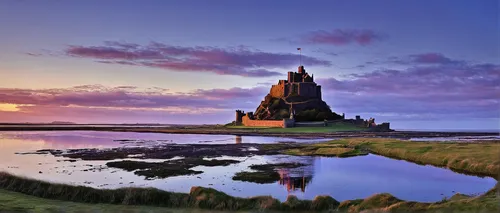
17, 202
248, 127
102, 200
258, 176
486, 203
329, 149
335, 127
330, 128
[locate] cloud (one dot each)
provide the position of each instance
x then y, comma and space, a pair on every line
240, 61
132, 98
112, 115
426, 59
97, 103
433, 87
419, 92
326, 52
336, 37
34, 54
422, 59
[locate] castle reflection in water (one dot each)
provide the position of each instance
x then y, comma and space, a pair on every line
293, 183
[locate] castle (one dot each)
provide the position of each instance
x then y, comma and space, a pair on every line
299, 93
296, 102
298, 83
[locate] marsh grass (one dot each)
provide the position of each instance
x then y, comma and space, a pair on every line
258, 176
338, 149
207, 198
264, 167
168, 168
265, 173
17, 202
332, 127
335, 127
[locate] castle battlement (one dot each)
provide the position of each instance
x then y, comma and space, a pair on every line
298, 83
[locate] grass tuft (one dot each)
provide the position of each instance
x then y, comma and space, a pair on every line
208, 198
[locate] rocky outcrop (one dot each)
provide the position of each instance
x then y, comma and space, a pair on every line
304, 109
298, 98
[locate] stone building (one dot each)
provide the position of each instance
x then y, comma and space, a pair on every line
297, 102
298, 83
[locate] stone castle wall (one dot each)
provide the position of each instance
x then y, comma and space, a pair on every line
270, 123
278, 91
308, 90
318, 92
304, 89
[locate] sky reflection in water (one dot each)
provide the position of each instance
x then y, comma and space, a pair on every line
342, 178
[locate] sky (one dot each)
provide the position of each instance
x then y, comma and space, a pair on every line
416, 64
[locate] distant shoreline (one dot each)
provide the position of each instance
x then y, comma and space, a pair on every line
220, 130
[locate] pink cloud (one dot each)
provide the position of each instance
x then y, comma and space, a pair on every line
129, 97
97, 103
339, 37
241, 61
439, 91
470, 90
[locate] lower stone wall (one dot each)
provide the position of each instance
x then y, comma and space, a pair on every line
288, 123
310, 124
271, 123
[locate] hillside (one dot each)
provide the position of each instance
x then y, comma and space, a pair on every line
306, 109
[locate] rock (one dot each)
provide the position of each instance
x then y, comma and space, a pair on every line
298, 95
305, 109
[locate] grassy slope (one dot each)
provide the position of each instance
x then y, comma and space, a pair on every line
489, 202
17, 202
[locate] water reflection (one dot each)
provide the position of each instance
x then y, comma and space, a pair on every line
341, 178
293, 183
101, 139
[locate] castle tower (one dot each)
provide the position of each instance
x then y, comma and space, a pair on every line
239, 116
301, 70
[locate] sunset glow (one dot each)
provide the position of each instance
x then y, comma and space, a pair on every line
132, 62
9, 107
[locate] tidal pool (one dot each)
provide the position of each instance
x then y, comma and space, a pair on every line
341, 178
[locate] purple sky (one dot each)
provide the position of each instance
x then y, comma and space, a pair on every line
417, 64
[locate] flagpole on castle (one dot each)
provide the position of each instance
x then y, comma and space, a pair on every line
300, 54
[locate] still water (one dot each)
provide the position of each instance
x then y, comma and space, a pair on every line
341, 178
